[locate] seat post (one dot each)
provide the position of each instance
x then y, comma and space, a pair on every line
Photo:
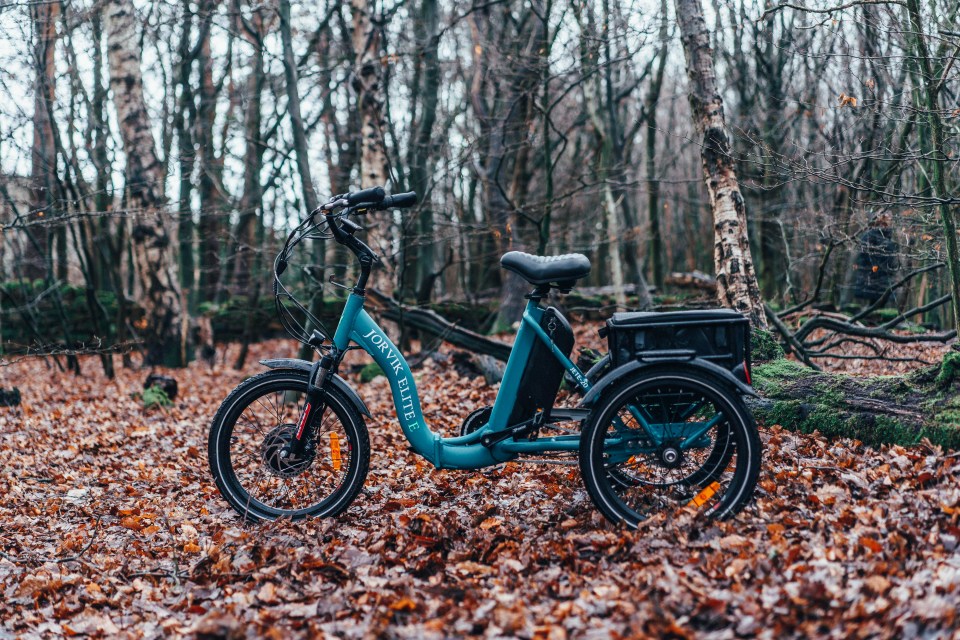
539, 293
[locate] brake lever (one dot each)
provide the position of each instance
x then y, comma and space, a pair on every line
334, 204
350, 226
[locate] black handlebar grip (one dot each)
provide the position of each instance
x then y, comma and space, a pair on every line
374, 195
399, 201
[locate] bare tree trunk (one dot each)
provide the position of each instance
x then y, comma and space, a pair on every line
250, 225
650, 105
608, 139
44, 155
374, 168
185, 116
163, 333
293, 108
932, 82
419, 267
243, 250
209, 228
736, 281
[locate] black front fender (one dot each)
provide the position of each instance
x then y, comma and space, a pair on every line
637, 366
335, 380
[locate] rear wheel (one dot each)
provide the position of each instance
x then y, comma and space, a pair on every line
251, 428
664, 441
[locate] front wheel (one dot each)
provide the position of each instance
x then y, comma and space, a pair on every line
663, 441
251, 428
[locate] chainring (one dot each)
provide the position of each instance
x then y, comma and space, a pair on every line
475, 420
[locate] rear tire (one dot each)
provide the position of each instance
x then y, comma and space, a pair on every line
714, 473
251, 426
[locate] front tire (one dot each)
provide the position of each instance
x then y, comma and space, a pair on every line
253, 424
630, 477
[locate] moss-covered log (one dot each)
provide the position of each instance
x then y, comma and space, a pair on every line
876, 410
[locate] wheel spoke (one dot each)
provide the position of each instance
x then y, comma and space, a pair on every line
670, 474
259, 482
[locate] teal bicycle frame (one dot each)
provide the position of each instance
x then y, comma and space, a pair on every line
464, 452
468, 452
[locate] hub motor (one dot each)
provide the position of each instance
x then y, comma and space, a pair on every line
273, 444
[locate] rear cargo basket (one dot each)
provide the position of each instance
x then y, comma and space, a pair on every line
721, 336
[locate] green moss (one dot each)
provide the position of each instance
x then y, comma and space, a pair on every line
944, 435
764, 346
770, 377
786, 413
828, 393
888, 430
884, 387
949, 368
885, 314
370, 372
831, 424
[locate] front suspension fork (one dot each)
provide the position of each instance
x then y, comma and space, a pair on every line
314, 405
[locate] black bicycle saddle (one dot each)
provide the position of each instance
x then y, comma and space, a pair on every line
561, 271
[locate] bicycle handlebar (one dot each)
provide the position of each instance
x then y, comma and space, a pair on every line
399, 201
372, 195
372, 199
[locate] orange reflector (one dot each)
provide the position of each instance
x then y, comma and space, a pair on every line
335, 451
708, 492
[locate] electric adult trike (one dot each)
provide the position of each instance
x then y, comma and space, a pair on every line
660, 424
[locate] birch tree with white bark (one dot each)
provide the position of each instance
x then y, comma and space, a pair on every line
164, 325
736, 281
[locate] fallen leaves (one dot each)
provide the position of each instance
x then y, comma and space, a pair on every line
842, 540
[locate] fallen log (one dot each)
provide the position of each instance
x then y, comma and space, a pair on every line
691, 280
877, 410
436, 325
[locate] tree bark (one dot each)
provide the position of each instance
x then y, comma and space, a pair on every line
211, 202
293, 109
250, 225
419, 268
374, 168
37, 259
938, 169
736, 281
163, 331
651, 102
184, 118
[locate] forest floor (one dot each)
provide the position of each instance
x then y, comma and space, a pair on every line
110, 526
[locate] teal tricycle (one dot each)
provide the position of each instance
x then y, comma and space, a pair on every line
660, 426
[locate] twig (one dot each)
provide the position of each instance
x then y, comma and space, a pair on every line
75, 557
886, 294
856, 3
790, 338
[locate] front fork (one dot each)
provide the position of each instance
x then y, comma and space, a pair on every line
296, 449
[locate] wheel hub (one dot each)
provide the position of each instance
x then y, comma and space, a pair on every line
671, 456
273, 444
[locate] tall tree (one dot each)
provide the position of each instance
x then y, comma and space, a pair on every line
211, 164
736, 281
651, 102
44, 154
505, 80
291, 76
249, 230
156, 268
374, 165
419, 268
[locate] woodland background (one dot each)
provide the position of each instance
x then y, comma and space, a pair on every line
154, 155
